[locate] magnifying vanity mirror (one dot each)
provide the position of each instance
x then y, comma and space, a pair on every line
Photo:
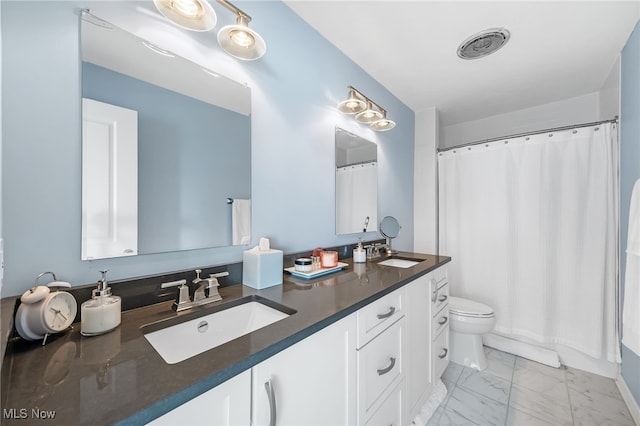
390, 228
190, 130
356, 183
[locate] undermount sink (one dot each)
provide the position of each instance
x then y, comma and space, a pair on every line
400, 261
185, 336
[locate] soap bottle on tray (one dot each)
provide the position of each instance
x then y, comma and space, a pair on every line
102, 312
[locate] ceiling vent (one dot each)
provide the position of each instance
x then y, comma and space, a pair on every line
484, 43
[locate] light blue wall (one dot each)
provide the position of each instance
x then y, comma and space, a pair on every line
629, 173
172, 186
295, 88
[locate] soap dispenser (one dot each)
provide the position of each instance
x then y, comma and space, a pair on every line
359, 253
101, 313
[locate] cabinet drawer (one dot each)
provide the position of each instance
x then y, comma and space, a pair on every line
439, 322
380, 365
391, 411
439, 295
440, 354
440, 275
377, 316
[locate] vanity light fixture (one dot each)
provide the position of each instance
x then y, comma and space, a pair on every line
239, 40
195, 15
354, 104
369, 115
383, 124
366, 111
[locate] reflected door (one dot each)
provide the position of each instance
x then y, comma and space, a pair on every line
110, 180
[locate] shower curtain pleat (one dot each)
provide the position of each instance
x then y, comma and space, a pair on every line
531, 227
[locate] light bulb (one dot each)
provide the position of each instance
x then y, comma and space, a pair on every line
188, 8
242, 38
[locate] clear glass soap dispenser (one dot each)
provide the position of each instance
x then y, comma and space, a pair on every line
101, 313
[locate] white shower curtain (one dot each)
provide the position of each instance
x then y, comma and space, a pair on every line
356, 197
530, 224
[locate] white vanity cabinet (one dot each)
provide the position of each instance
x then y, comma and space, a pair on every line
440, 322
376, 366
227, 404
381, 353
309, 383
419, 379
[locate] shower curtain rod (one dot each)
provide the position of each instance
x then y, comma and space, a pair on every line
535, 132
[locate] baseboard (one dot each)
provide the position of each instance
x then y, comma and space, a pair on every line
628, 398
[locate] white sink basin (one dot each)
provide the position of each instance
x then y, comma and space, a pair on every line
181, 341
398, 263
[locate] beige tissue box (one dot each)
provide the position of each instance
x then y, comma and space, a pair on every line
262, 268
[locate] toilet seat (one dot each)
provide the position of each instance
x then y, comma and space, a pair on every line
469, 308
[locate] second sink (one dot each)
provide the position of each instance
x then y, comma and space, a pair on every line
183, 337
398, 263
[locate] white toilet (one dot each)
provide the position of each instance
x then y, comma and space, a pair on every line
469, 321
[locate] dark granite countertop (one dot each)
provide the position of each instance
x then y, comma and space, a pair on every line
119, 378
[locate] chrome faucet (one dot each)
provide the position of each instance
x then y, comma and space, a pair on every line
375, 250
199, 293
205, 292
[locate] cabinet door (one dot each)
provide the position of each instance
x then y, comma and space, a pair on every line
226, 404
418, 323
310, 383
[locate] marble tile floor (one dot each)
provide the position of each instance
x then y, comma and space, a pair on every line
516, 391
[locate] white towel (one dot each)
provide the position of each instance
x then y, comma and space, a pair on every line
241, 222
631, 308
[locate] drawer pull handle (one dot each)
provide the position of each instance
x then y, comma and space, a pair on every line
389, 368
443, 320
443, 298
444, 353
272, 402
392, 310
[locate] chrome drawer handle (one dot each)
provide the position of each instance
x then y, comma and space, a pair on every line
443, 320
389, 368
388, 314
443, 298
272, 402
443, 354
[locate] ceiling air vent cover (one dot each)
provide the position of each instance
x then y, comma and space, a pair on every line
483, 43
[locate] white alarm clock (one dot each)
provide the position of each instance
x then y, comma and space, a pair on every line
43, 311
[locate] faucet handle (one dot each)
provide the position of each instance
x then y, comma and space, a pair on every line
183, 296
212, 288
197, 279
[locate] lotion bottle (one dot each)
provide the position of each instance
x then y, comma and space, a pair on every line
359, 253
101, 313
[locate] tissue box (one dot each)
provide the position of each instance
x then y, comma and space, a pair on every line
262, 268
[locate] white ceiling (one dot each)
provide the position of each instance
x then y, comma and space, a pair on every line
557, 50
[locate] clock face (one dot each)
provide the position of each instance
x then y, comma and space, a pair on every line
59, 311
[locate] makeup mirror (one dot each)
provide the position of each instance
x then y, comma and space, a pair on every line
356, 183
191, 184
389, 228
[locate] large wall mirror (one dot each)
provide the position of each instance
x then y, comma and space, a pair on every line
356, 183
190, 130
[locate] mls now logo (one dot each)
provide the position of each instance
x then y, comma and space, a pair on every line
23, 413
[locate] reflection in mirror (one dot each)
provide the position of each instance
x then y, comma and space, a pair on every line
356, 183
193, 147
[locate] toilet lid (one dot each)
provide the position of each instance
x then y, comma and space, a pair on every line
467, 307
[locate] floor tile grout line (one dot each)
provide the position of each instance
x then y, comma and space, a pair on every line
513, 368
566, 384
